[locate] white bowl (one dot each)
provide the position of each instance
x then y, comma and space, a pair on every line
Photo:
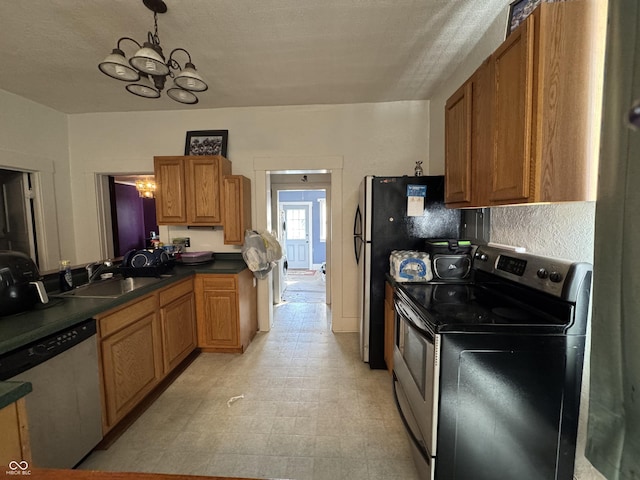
104, 276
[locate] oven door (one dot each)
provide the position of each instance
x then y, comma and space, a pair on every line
417, 372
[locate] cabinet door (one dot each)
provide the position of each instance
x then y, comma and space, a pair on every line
457, 179
178, 330
205, 189
131, 366
171, 202
511, 164
237, 210
217, 311
14, 442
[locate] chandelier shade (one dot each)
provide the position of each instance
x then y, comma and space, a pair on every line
190, 79
182, 96
143, 88
115, 65
148, 60
147, 70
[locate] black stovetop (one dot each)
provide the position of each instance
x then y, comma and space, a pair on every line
483, 308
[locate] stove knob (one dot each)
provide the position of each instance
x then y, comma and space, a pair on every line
482, 256
555, 277
542, 273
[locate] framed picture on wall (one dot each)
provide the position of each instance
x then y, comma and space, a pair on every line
206, 142
518, 12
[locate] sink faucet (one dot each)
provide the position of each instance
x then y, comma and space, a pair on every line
96, 268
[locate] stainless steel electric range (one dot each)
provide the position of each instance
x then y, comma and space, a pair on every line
487, 375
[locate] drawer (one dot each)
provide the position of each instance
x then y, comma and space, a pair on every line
116, 320
219, 282
177, 290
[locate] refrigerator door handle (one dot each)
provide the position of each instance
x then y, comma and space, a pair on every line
357, 234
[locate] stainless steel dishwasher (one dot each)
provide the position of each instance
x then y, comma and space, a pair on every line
63, 410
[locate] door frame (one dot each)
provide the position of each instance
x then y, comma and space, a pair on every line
333, 165
309, 206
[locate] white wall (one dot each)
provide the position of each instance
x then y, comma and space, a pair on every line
33, 138
381, 139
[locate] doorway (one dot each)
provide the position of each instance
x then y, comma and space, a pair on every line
17, 228
299, 209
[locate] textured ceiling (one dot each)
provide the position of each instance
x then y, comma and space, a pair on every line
250, 52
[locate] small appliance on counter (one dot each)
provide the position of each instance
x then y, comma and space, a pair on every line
450, 258
146, 263
21, 286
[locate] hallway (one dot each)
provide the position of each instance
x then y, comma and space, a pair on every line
311, 411
304, 286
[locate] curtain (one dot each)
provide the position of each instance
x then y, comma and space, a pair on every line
613, 435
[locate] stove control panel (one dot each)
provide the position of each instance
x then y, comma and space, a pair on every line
554, 276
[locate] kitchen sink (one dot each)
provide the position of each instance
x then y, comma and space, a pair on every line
110, 288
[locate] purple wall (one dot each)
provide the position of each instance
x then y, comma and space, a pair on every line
136, 217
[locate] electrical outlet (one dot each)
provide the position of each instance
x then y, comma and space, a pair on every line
187, 242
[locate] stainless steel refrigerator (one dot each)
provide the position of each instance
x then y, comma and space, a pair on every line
394, 213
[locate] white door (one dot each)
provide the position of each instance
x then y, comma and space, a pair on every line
297, 235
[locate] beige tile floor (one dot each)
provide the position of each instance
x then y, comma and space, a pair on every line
311, 410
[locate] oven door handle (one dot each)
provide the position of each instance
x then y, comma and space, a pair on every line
420, 446
408, 316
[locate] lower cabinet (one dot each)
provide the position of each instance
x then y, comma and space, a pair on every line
226, 309
14, 441
131, 357
140, 343
389, 326
178, 322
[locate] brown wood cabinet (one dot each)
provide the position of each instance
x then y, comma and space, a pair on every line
527, 136
389, 326
178, 323
467, 139
14, 441
131, 356
141, 342
189, 189
237, 210
226, 309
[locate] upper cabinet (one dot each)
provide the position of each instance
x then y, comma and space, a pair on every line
237, 211
523, 129
190, 189
468, 147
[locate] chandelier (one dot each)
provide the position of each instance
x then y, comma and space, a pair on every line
146, 188
147, 70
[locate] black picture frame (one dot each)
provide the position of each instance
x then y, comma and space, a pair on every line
206, 142
518, 12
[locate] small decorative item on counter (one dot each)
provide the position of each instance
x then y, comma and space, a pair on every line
418, 169
66, 279
155, 240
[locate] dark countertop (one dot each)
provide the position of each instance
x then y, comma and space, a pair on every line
12, 392
27, 327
